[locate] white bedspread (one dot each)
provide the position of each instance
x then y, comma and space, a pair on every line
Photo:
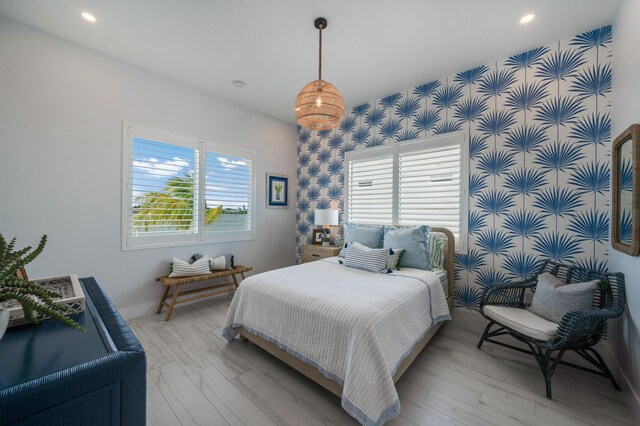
354, 326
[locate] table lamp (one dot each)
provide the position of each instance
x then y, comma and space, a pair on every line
326, 218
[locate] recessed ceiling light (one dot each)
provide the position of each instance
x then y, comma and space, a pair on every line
89, 17
527, 18
239, 83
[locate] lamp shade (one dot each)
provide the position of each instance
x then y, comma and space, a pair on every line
319, 106
326, 217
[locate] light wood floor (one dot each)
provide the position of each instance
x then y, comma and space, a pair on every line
196, 378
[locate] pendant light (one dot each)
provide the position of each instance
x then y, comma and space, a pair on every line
319, 105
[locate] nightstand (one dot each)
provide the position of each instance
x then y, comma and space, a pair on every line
311, 252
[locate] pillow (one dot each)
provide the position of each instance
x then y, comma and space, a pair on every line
222, 263
181, 268
373, 260
553, 298
393, 257
413, 239
370, 236
435, 247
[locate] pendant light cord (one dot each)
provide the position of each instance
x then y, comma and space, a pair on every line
320, 55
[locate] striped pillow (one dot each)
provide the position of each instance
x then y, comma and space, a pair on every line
436, 251
180, 268
373, 260
222, 263
393, 258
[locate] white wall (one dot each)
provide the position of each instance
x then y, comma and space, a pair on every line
61, 113
625, 334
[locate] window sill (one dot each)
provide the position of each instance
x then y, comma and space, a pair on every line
146, 246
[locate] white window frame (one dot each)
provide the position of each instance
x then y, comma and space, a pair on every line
201, 147
447, 139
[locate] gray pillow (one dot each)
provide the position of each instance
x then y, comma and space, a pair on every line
368, 235
413, 239
553, 298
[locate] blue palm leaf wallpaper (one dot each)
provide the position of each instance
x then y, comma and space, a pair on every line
526, 59
593, 129
525, 139
538, 129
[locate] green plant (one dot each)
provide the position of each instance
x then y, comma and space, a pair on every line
35, 300
278, 187
171, 207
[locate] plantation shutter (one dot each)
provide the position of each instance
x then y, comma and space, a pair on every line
229, 188
421, 182
370, 187
429, 189
163, 184
179, 190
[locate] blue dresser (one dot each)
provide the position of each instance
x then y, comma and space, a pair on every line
53, 375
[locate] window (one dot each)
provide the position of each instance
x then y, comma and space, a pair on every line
410, 183
179, 190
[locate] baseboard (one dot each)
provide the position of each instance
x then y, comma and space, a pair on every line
470, 320
630, 394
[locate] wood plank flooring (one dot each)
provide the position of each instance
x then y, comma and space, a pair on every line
198, 378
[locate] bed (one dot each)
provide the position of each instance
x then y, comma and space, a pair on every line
353, 332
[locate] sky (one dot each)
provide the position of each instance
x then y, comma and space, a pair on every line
154, 163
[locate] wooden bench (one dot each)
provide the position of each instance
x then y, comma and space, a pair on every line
197, 293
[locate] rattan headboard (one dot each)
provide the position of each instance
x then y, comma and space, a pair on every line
449, 254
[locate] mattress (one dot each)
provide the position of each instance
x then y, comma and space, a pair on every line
354, 326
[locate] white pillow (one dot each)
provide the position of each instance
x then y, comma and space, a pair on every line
181, 268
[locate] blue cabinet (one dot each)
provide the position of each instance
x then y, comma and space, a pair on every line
53, 375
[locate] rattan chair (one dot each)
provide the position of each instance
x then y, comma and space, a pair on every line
578, 331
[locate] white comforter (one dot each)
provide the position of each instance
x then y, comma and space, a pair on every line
354, 326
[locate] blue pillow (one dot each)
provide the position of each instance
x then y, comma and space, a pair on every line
369, 235
413, 239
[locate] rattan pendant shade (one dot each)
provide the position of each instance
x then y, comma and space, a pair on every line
319, 105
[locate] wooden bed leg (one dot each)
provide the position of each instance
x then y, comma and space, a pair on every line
242, 275
173, 303
235, 280
165, 292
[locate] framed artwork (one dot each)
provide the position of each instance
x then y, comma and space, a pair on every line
317, 236
277, 191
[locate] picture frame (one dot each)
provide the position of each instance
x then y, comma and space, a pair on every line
277, 191
317, 236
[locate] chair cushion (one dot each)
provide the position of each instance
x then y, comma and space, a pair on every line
523, 321
553, 298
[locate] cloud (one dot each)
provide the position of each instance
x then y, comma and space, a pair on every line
231, 164
157, 168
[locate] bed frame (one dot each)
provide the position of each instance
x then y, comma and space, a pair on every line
315, 375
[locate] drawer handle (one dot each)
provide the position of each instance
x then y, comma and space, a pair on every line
315, 255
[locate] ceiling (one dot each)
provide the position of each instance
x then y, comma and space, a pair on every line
371, 47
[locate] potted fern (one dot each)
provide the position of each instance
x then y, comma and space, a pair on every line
36, 302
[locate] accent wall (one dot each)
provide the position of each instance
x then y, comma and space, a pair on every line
538, 127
